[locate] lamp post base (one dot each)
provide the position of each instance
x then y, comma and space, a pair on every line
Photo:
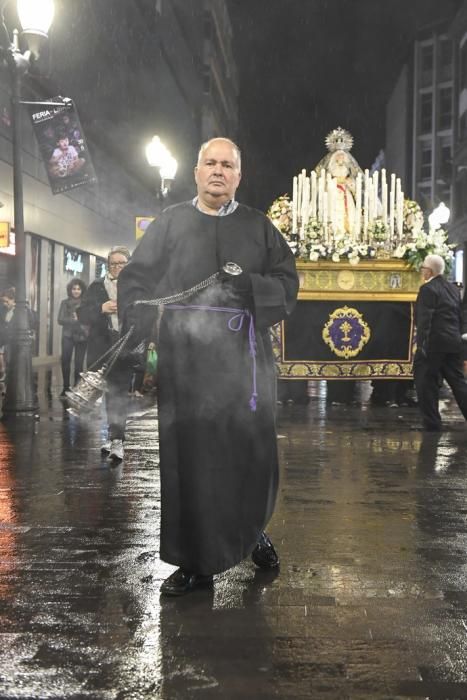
20, 399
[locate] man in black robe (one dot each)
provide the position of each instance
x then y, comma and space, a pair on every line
218, 452
438, 315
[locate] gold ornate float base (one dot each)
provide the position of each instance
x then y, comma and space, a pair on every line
351, 322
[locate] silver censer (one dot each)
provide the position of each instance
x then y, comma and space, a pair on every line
92, 385
83, 397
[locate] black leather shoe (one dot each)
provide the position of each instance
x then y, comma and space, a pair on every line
181, 582
264, 555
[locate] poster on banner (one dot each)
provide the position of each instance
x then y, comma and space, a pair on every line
62, 145
4, 234
141, 224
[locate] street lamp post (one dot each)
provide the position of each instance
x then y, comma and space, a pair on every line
35, 17
159, 156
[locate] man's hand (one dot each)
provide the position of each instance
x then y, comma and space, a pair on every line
239, 283
109, 307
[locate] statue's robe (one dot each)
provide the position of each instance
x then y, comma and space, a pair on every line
218, 457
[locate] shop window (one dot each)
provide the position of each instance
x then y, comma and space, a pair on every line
34, 287
50, 297
73, 262
101, 268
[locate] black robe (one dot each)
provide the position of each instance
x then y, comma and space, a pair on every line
218, 458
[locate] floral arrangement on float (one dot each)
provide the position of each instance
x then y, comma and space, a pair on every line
336, 213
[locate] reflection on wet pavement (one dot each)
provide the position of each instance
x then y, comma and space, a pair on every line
370, 601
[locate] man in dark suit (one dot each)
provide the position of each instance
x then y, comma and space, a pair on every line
438, 316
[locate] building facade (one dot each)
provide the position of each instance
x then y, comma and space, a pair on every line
419, 119
145, 75
458, 224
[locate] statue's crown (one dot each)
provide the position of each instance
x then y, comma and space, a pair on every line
339, 140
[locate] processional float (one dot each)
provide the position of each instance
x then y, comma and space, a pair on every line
359, 243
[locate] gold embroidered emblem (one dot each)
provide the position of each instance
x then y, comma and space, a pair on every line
346, 332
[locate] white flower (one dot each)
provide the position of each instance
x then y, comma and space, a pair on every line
354, 259
400, 251
335, 257
314, 255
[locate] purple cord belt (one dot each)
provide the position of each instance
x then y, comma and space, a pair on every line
235, 324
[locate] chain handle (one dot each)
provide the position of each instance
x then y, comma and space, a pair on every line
181, 296
115, 350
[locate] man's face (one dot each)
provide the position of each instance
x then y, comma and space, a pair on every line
217, 174
427, 272
63, 144
8, 302
117, 262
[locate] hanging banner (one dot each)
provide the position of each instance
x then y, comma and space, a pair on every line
62, 145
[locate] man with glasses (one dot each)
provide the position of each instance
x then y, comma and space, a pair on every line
99, 312
438, 316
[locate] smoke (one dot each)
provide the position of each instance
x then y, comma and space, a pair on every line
215, 370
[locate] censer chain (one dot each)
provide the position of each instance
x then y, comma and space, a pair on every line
114, 351
181, 296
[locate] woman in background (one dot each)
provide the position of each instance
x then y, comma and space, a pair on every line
74, 334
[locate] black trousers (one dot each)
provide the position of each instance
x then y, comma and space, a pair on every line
427, 371
68, 345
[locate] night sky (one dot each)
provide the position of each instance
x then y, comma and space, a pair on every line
308, 66
305, 67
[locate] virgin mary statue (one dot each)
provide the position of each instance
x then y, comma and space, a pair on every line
342, 166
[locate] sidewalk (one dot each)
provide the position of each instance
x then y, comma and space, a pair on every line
370, 601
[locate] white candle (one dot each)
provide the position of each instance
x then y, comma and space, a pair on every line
365, 208
333, 204
321, 196
371, 201
384, 196
294, 204
399, 208
375, 193
400, 213
327, 196
299, 196
325, 216
313, 194
392, 195
305, 204
358, 208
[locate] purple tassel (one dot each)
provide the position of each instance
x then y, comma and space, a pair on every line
253, 402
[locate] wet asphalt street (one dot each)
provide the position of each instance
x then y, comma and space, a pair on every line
370, 600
